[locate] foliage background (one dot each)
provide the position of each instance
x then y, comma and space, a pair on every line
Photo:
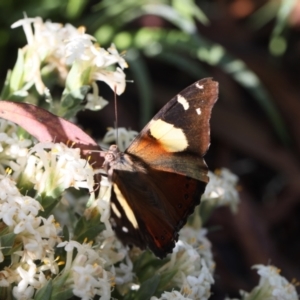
252, 48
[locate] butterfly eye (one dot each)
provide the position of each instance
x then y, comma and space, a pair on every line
109, 157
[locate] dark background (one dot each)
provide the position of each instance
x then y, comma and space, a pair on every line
255, 124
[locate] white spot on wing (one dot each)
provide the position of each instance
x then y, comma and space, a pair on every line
199, 86
170, 138
198, 111
183, 101
115, 209
128, 211
124, 229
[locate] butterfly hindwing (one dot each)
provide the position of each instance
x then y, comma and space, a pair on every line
157, 206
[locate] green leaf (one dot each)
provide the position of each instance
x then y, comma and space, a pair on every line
166, 279
190, 9
87, 229
6, 243
45, 292
148, 288
104, 34
49, 198
278, 43
143, 82
66, 234
183, 63
167, 12
78, 76
71, 102
16, 79
6, 88
18, 96
61, 290
63, 295
75, 7
147, 265
263, 15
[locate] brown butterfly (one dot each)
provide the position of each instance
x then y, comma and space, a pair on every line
159, 179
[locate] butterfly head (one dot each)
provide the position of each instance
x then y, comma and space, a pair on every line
110, 158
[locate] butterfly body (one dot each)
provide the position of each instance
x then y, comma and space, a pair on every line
159, 179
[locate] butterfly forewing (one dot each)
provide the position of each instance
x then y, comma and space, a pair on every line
178, 136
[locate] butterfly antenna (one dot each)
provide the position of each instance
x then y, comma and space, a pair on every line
116, 116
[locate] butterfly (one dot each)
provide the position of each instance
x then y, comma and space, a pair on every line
159, 179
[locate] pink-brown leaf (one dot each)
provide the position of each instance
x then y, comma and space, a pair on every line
45, 127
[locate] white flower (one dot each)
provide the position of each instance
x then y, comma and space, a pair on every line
100, 56
76, 46
174, 295
273, 285
13, 150
115, 79
23, 294
124, 272
221, 189
54, 46
124, 138
103, 58
115, 57
198, 287
20, 213
198, 240
26, 24
113, 251
192, 276
94, 101
28, 277
60, 168
91, 280
185, 260
35, 236
86, 273
68, 207
103, 205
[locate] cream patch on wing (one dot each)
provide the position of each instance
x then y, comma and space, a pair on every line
183, 102
128, 211
199, 86
198, 111
115, 209
170, 138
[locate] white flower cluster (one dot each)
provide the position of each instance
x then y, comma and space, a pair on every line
193, 277
93, 271
196, 237
30, 242
57, 169
274, 286
35, 239
174, 295
271, 286
121, 135
221, 189
86, 272
59, 47
13, 150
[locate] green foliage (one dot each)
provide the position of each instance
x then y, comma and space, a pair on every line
181, 47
